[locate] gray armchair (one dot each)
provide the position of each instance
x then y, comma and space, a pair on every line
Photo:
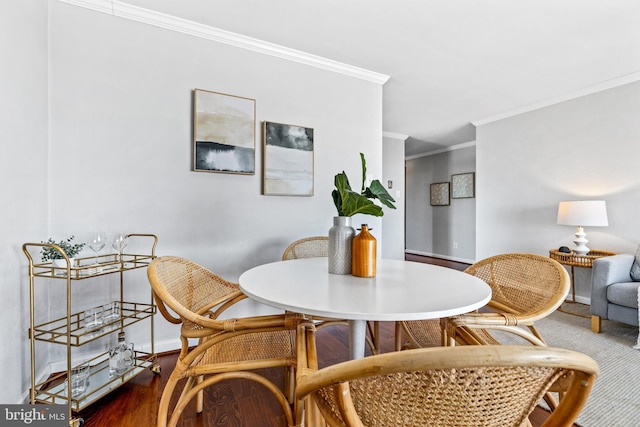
614, 296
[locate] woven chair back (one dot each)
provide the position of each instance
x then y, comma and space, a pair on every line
528, 284
470, 386
309, 247
187, 288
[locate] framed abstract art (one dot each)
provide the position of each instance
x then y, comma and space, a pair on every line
223, 133
287, 160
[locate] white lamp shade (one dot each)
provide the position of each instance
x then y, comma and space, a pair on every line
583, 213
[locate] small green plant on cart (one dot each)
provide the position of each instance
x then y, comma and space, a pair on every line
71, 249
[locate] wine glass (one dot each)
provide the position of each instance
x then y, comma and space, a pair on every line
118, 243
97, 242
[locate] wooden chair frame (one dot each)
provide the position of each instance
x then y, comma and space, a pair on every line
508, 381
525, 288
198, 297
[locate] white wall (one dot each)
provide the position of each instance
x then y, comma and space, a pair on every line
584, 149
119, 150
393, 219
23, 172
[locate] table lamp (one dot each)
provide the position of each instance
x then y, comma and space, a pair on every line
582, 213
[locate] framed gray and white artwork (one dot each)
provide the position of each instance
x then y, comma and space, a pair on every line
440, 194
224, 128
287, 160
463, 185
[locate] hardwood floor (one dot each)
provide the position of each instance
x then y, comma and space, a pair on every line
234, 403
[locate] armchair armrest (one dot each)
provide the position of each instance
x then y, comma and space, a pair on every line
475, 328
606, 271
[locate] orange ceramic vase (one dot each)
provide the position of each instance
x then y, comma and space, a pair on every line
363, 254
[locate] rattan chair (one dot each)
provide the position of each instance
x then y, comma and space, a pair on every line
309, 247
225, 349
525, 288
318, 247
418, 333
460, 386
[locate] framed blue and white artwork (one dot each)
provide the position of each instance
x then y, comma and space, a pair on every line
287, 160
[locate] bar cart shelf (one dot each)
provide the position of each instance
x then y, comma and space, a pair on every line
70, 330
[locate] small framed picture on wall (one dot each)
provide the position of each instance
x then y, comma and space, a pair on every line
463, 185
440, 194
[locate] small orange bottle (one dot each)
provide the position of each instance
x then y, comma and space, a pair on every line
363, 254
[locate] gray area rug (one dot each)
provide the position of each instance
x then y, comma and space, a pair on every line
614, 399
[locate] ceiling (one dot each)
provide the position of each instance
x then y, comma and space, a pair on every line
452, 62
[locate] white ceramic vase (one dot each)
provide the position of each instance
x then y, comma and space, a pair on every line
61, 263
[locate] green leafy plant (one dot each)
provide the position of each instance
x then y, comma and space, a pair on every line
349, 202
71, 249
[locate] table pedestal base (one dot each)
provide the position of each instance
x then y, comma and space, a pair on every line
357, 338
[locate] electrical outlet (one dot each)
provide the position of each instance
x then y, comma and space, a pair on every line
455, 245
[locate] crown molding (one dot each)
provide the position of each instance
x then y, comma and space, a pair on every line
393, 135
442, 150
173, 23
609, 84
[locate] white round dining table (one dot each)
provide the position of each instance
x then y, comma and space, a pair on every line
401, 290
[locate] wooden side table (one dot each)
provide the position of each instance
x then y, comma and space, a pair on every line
575, 260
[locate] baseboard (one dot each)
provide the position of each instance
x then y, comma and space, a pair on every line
447, 257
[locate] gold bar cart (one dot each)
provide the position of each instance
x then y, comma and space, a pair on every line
70, 331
